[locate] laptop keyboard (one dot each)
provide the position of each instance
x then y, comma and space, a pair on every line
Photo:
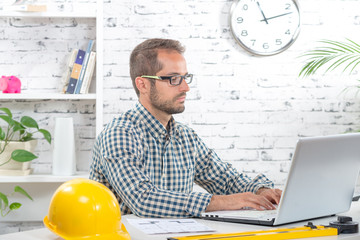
266, 214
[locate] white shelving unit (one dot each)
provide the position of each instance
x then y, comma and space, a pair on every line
42, 186
90, 11
54, 96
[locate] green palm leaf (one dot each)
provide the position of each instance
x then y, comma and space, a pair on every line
332, 55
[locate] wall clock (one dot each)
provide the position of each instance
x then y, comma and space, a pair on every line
265, 27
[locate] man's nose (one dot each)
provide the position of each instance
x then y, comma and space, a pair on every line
184, 87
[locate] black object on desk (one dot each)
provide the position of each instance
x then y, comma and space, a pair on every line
345, 224
356, 198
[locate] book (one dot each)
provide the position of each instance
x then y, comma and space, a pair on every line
69, 67
84, 65
88, 73
75, 73
25, 8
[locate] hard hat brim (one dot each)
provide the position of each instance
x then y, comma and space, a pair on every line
121, 235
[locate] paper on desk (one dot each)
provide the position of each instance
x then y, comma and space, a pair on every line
161, 226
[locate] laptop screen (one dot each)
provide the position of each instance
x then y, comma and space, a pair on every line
320, 182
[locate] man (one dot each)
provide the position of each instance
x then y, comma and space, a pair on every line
150, 161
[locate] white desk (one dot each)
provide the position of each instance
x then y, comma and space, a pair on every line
221, 227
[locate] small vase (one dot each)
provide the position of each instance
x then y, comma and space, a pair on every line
64, 160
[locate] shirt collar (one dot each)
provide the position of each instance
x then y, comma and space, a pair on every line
153, 125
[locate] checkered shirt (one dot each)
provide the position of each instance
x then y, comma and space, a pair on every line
152, 170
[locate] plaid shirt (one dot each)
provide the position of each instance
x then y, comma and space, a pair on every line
152, 170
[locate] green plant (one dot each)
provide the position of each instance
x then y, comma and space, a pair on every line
333, 55
5, 206
19, 131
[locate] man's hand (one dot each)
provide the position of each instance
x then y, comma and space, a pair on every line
264, 199
273, 195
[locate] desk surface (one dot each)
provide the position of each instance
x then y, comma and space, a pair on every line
221, 227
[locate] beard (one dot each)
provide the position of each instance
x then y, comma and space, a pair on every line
165, 106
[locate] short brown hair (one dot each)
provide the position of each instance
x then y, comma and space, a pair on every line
143, 59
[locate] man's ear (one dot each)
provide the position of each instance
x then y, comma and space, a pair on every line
142, 85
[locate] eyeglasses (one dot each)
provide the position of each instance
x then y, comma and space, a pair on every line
174, 80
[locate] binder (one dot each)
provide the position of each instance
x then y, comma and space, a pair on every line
69, 67
88, 73
84, 65
75, 73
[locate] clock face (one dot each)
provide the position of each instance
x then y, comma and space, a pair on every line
265, 27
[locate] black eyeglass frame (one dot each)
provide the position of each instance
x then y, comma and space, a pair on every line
171, 79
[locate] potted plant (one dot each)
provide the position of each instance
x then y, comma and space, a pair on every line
5, 206
333, 54
17, 143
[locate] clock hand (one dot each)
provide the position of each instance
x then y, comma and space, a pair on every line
265, 19
275, 17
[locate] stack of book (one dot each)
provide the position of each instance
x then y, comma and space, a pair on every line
80, 70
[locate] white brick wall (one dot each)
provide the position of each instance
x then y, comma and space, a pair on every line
249, 109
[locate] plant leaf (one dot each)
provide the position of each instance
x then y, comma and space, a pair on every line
4, 199
29, 122
46, 134
7, 111
7, 119
357, 46
20, 190
27, 137
15, 205
334, 53
18, 127
21, 155
356, 62
2, 134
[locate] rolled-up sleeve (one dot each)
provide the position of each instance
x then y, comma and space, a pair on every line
218, 177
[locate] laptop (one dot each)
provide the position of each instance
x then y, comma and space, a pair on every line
321, 182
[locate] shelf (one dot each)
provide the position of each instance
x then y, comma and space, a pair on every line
90, 14
54, 10
41, 178
56, 96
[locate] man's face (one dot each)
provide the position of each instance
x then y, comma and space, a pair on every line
163, 96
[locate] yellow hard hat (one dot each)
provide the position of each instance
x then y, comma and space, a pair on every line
85, 209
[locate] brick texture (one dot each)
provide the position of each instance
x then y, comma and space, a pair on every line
250, 109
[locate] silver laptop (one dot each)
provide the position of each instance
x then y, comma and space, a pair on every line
321, 182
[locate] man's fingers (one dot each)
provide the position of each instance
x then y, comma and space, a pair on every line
261, 203
278, 191
278, 194
272, 195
